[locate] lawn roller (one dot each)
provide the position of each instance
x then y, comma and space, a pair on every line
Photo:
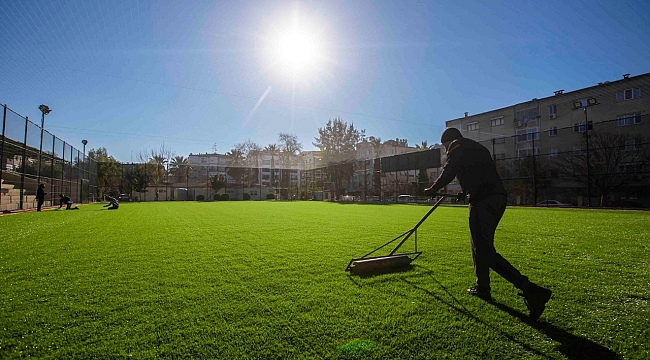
371, 265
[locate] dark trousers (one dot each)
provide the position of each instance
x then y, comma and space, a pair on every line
484, 216
39, 204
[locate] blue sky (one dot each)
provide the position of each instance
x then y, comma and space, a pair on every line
133, 75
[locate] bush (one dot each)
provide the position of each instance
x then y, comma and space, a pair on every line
225, 197
247, 196
200, 198
217, 197
270, 196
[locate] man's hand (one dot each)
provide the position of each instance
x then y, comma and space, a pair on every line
429, 191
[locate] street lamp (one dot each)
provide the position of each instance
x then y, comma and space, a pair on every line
166, 164
44, 111
84, 142
588, 126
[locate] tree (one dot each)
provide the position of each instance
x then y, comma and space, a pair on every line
376, 144
273, 150
337, 141
136, 177
251, 152
423, 182
615, 160
423, 146
234, 163
423, 177
290, 148
109, 171
179, 168
218, 182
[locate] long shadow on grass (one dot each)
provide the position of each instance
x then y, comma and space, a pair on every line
572, 346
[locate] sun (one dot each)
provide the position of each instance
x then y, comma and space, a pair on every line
297, 50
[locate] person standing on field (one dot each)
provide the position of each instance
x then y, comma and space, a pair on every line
471, 163
40, 196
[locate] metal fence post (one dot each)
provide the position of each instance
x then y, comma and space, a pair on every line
2, 145
52, 170
22, 173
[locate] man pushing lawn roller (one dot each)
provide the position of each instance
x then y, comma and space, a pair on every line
471, 163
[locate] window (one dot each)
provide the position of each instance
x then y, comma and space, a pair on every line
529, 134
579, 127
527, 115
527, 152
552, 131
630, 144
577, 150
266, 162
497, 121
630, 168
628, 94
552, 152
499, 140
499, 156
472, 126
552, 110
629, 119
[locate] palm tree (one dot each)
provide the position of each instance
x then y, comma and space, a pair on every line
376, 145
234, 164
423, 146
179, 168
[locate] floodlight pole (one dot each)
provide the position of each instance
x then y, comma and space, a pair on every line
588, 165
81, 185
44, 111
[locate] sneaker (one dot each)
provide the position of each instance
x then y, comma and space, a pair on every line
478, 292
536, 298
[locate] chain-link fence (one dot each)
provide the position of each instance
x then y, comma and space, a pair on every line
587, 164
167, 181
30, 155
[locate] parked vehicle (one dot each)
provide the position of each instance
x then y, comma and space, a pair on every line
404, 198
552, 203
124, 197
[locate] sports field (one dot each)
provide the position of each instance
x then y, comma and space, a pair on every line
266, 280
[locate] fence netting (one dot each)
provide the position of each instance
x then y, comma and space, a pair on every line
31, 156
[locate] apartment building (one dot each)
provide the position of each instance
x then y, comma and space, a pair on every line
566, 123
205, 166
550, 125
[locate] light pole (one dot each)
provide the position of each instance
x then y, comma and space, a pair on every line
84, 142
166, 163
588, 126
44, 111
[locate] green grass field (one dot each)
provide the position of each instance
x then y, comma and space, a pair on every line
266, 280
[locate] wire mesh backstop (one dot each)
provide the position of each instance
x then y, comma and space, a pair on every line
30, 155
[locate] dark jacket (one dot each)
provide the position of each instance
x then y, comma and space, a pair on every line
40, 194
471, 163
64, 200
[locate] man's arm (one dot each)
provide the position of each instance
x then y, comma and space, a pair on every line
448, 172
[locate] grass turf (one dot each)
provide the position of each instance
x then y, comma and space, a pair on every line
265, 280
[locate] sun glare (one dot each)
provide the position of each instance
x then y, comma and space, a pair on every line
296, 50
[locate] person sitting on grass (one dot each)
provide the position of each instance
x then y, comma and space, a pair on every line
63, 199
112, 202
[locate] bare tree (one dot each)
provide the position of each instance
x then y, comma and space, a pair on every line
613, 160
